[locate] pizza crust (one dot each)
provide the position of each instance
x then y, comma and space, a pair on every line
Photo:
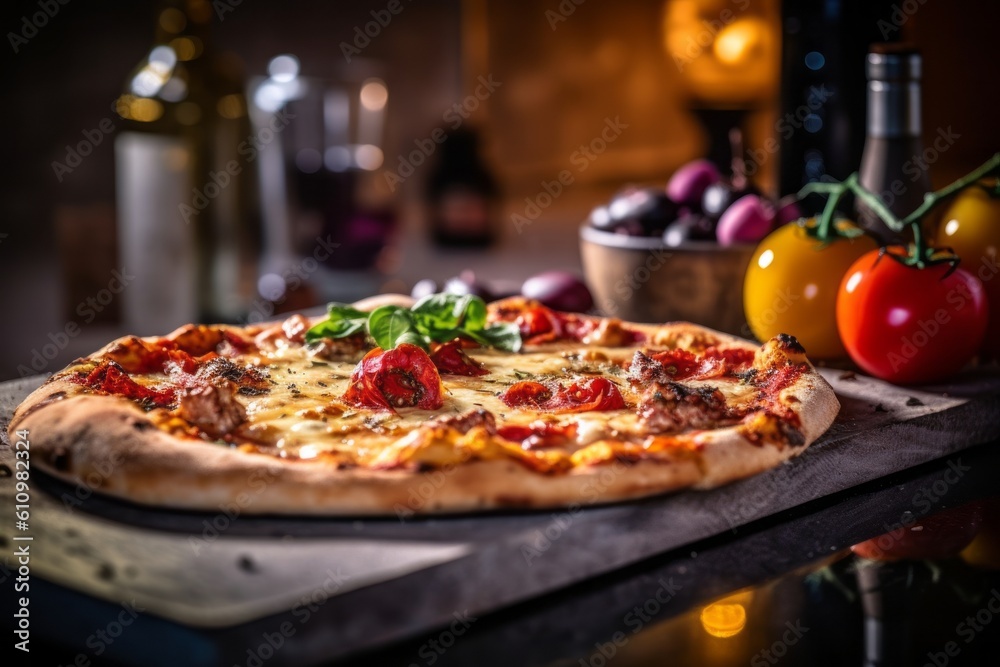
728, 456
110, 445
127, 457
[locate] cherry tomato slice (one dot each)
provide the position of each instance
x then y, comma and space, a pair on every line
403, 377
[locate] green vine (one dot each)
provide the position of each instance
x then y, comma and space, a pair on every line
919, 254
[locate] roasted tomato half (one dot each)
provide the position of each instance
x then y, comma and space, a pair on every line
403, 377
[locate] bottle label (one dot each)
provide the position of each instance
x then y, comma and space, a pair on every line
154, 177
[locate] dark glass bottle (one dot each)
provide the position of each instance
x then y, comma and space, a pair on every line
891, 163
462, 194
821, 126
180, 184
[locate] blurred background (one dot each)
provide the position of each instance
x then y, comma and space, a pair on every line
182, 160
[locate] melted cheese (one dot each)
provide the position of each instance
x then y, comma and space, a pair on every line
303, 412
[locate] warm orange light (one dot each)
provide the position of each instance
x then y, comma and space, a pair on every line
737, 42
727, 617
726, 52
722, 619
142, 109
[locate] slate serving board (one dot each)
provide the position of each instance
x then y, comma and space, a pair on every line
224, 580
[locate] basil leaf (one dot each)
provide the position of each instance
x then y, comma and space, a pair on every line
335, 329
449, 311
436, 311
387, 324
342, 320
504, 336
413, 338
344, 311
474, 314
437, 317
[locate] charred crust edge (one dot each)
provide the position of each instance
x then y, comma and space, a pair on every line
790, 343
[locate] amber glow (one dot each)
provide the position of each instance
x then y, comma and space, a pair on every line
142, 109
726, 617
737, 42
723, 620
726, 52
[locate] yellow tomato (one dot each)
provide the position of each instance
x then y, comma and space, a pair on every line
971, 227
791, 287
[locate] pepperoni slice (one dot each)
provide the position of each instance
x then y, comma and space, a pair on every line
539, 324
681, 364
575, 327
538, 434
234, 344
451, 359
110, 378
671, 365
403, 377
524, 394
595, 394
136, 355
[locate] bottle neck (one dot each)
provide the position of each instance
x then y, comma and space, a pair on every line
894, 109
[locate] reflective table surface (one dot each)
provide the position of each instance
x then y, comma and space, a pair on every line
902, 571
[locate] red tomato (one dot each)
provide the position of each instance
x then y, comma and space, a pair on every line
908, 325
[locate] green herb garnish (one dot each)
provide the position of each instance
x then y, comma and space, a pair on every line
438, 317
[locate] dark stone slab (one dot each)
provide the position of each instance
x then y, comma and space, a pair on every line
223, 580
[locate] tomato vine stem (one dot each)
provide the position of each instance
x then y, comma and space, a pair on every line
919, 254
932, 199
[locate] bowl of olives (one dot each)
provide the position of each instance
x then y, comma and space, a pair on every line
678, 253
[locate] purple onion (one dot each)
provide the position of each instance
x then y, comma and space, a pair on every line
747, 220
559, 290
688, 183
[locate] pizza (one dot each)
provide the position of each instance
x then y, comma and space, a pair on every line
443, 405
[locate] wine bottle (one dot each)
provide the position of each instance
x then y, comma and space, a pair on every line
462, 194
821, 125
178, 183
891, 164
